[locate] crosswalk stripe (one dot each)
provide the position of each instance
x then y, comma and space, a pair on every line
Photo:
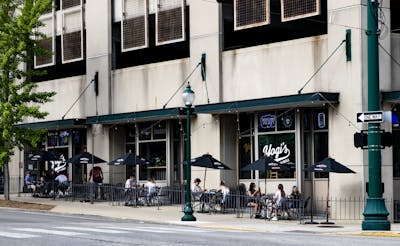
175, 229
135, 229
16, 235
89, 229
49, 231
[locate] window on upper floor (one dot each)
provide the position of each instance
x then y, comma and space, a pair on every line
250, 13
64, 41
169, 23
149, 31
249, 23
72, 30
297, 9
134, 25
47, 28
170, 19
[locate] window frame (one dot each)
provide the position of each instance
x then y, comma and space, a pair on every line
146, 26
267, 15
157, 10
53, 30
78, 8
285, 19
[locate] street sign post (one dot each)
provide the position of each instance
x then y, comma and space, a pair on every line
370, 117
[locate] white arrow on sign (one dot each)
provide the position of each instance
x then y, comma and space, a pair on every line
370, 117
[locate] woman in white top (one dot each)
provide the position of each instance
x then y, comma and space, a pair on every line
225, 191
278, 198
151, 190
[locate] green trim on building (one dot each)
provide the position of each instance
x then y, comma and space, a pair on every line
299, 100
137, 116
55, 124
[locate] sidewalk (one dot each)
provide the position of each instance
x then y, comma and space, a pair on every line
172, 215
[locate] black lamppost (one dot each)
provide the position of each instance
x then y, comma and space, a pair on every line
188, 99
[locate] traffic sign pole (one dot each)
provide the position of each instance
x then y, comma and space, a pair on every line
375, 212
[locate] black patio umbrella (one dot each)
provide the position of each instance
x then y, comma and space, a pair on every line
264, 164
328, 165
129, 159
208, 161
85, 158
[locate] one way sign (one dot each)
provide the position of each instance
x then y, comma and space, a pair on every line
370, 117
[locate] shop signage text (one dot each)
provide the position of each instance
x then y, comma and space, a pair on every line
280, 154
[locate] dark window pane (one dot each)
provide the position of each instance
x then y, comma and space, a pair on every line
130, 133
266, 122
307, 153
63, 138
156, 153
320, 150
286, 121
306, 120
144, 131
52, 139
320, 119
245, 150
159, 131
245, 124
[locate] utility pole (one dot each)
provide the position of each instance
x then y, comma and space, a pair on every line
375, 212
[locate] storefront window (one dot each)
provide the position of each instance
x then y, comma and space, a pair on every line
246, 143
156, 153
245, 154
285, 120
266, 122
320, 150
152, 146
280, 147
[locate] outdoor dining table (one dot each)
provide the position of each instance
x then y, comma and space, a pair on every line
267, 203
209, 199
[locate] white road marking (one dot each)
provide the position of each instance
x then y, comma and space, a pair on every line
50, 231
181, 229
89, 229
135, 229
16, 235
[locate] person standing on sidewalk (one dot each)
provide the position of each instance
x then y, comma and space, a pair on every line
98, 177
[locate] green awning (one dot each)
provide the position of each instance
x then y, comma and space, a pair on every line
391, 96
316, 99
149, 115
55, 124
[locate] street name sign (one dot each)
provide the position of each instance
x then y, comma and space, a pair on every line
370, 117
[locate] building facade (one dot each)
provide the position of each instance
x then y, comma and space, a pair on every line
280, 81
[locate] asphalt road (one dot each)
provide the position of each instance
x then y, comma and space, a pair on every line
18, 227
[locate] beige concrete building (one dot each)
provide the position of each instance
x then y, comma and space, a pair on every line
278, 83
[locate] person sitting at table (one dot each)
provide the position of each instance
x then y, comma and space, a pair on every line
294, 198
197, 190
29, 182
224, 190
253, 195
198, 194
42, 186
278, 199
62, 183
151, 190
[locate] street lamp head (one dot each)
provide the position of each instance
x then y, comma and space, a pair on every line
188, 96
